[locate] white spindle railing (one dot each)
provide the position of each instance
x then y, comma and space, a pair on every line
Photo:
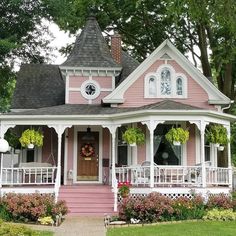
217, 176
172, 175
28, 176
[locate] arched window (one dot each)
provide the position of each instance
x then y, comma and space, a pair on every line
179, 86
165, 82
152, 87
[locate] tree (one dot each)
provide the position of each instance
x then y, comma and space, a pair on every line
21, 40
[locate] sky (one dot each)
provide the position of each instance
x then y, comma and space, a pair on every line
61, 39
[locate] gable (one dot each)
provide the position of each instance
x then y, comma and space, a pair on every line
131, 92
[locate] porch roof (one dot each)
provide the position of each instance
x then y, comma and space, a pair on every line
166, 109
98, 109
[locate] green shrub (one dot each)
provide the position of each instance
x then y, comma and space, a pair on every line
30, 207
224, 215
7, 229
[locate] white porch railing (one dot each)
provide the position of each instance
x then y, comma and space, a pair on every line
172, 175
28, 176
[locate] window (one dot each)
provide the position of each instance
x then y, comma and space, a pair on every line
179, 86
122, 148
152, 87
90, 89
165, 82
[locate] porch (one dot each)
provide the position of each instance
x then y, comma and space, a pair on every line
175, 176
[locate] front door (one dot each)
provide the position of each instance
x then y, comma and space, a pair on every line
88, 156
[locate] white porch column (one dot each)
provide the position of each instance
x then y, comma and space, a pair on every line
59, 130
202, 147
112, 128
229, 157
152, 124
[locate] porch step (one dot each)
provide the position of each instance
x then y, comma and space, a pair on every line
88, 200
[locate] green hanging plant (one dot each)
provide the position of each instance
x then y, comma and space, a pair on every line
134, 136
217, 134
178, 135
31, 136
12, 139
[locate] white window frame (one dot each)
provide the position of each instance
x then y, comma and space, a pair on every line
174, 77
95, 84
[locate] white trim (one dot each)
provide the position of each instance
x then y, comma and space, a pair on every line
65, 156
167, 47
93, 83
101, 89
197, 145
75, 144
26, 190
67, 89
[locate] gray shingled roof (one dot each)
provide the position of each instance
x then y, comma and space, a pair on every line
128, 64
87, 109
90, 49
38, 85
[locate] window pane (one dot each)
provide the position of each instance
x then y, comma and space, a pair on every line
152, 87
179, 86
165, 82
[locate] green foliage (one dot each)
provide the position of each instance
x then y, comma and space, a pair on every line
195, 228
12, 138
177, 135
46, 220
216, 214
217, 134
124, 190
134, 135
30, 207
31, 136
7, 229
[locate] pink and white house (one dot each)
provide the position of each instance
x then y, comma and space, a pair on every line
84, 105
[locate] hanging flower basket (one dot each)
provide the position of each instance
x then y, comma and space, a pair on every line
134, 136
177, 136
31, 137
217, 134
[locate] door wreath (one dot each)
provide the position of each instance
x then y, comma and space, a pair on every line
87, 150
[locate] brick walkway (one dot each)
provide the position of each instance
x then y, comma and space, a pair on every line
81, 226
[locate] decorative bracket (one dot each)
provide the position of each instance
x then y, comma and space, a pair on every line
152, 124
4, 128
59, 128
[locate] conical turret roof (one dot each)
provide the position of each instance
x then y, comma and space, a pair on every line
90, 49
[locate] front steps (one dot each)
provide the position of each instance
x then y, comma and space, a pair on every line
88, 200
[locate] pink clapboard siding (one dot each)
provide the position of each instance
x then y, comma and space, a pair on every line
134, 95
76, 81
141, 149
191, 146
103, 81
49, 145
75, 97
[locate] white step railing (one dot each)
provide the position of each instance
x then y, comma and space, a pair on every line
172, 175
28, 176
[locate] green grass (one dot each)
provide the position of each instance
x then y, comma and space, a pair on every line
45, 233
183, 229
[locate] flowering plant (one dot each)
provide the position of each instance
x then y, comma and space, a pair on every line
124, 188
87, 150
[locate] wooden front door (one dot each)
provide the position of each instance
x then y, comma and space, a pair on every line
88, 157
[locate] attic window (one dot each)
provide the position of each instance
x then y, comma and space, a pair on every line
90, 89
165, 83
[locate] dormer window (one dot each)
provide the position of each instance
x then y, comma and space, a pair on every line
165, 82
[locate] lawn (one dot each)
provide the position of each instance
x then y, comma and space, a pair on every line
183, 229
46, 233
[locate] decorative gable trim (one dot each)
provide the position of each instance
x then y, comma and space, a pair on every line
168, 48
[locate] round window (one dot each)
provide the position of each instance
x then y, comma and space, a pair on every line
90, 89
